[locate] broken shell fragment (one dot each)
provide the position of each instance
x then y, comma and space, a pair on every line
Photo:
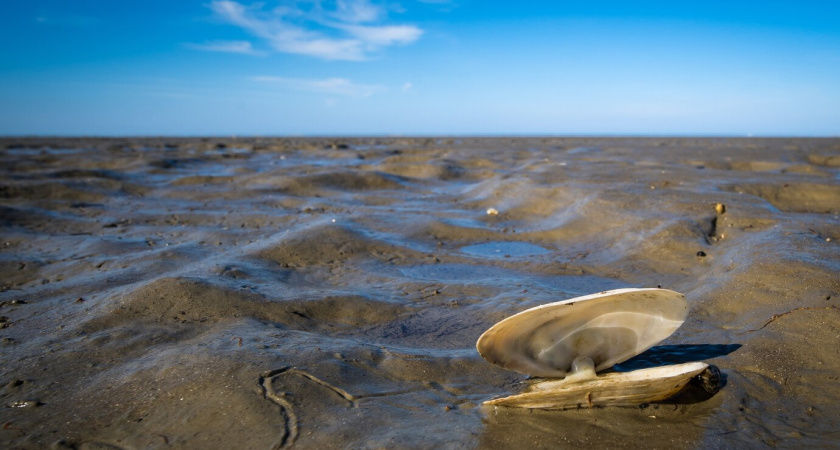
609, 327
614, 389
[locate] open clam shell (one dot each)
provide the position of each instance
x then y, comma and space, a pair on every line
613, 389
608, 327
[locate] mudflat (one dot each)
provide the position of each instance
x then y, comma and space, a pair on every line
265, 293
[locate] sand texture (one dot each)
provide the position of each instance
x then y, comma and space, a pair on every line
313, 293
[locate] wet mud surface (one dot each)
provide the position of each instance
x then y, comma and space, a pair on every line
269, 293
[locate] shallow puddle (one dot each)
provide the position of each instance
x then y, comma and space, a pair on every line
504, 249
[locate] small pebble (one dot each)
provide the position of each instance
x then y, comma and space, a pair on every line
701, 254
492, 212
25, 404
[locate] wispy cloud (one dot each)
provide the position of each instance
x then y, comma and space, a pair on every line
329, 86
72, 20
443, 5
348, 30
385, 35
243, 47
357, 11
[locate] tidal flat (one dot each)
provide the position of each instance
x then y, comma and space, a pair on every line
320, 293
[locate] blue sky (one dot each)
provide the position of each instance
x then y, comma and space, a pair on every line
419, 67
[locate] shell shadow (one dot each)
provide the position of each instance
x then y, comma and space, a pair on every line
665, 355
702, 387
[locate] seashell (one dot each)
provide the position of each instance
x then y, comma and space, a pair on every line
613, 389
576, 338
608, 328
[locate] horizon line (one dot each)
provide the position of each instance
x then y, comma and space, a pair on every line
421, 135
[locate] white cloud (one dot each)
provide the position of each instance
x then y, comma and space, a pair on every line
443, 5
334, 34
407, 86
243, 47
330, 86
357, 11
385, 35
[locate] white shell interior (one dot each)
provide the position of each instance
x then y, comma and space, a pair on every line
609, 327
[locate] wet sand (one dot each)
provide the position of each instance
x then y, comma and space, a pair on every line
262, 293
